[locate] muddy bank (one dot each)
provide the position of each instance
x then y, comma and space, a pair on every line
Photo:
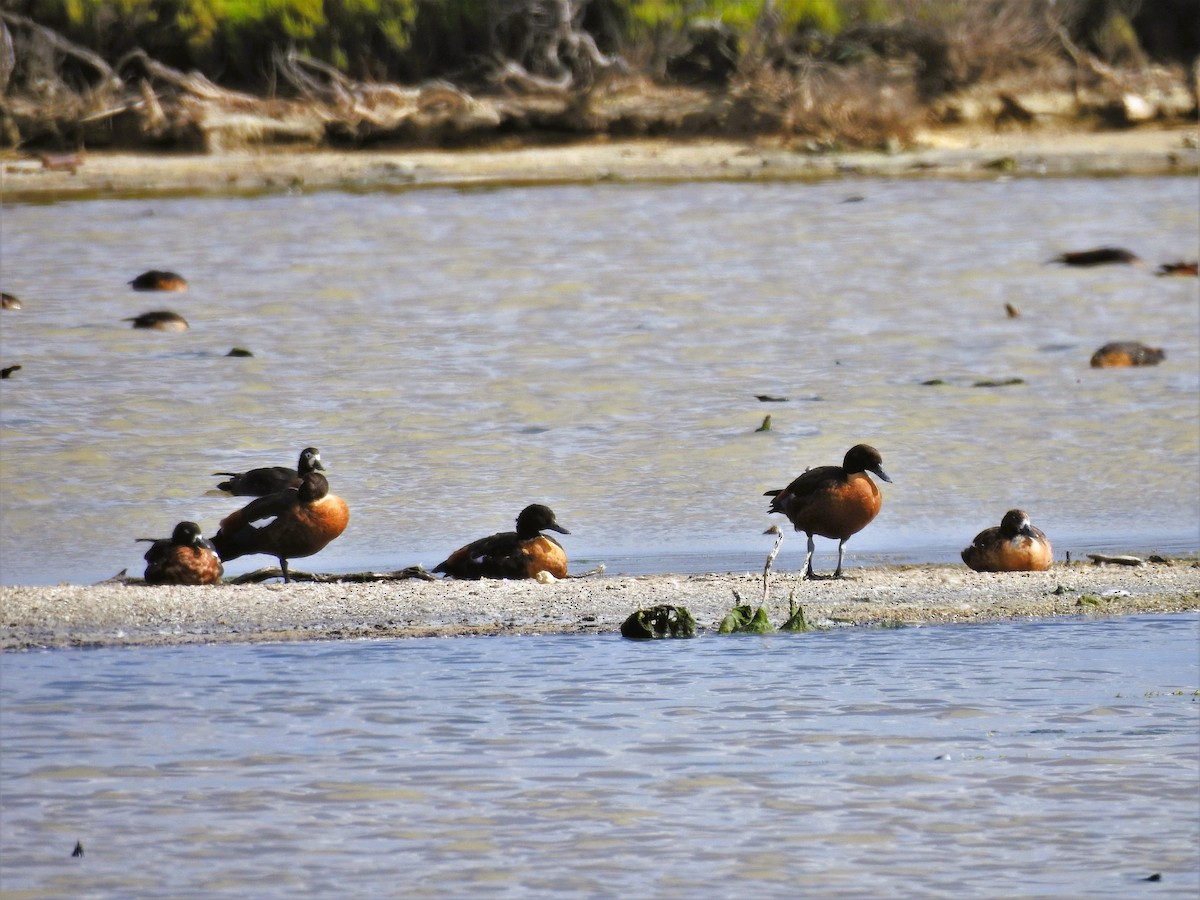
961, 153
114, 614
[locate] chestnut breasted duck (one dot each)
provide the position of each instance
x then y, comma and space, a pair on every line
305, 520
1016, 546
160, 320
833, 501
512, 554
1126, 353
183, 558
156, 280
271, 479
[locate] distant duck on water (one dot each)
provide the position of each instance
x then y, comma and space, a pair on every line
1126, 353
159, 320
1099, 256
156, 280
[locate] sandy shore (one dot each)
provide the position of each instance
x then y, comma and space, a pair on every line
956, 154
115, 614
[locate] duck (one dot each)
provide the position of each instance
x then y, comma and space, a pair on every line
9, 301
833, 501
305, 519
1127, 353
1179, 269
1016, 546
1099, 256
523, 553
271, 479
186, 557
156, 280
160, 320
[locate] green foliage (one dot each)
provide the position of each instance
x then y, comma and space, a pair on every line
663, 621
796, 621
743, 619
237, 36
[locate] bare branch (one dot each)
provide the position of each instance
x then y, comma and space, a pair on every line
60, 43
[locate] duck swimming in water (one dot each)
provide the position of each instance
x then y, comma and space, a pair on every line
1100, 256
1126, 353
156, 280
159, 320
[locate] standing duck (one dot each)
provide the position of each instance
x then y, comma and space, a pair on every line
304, 520
271, 479
833, 501
512, 554
1016, 546
184, 558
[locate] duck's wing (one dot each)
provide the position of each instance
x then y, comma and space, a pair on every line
263, 508
495, 556
259, 482
803, 489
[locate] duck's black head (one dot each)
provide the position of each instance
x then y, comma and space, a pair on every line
1015, 522
187, 534
536, 518
864, 458
310, 461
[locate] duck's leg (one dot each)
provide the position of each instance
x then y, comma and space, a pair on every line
283, 566
808, 569
841, 553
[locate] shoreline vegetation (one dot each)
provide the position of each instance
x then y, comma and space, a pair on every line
118, 613
150, 96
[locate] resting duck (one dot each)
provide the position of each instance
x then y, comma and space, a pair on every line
184, 558
1016, 546
512, 554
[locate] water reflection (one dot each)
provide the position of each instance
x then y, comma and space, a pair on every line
599, 349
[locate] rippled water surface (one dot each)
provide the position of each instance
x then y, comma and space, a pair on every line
456, 355
1037, 759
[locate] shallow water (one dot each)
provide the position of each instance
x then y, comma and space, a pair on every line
458, 354
1035, 759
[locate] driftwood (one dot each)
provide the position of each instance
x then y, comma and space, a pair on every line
260, 575
1102, 559
8, 56
61, 44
